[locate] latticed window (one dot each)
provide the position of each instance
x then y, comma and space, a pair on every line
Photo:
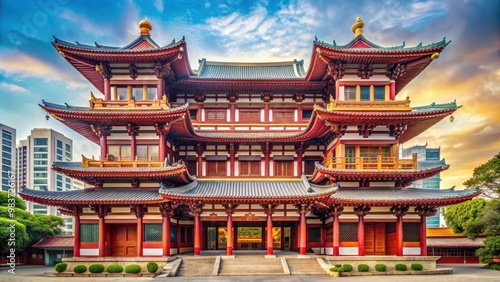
283, 115
411, 232
390, 227
470, 252
249, 115
249, 168
350, 93
89, 232
173, 233
314, 234
348, 232
219, 115
365, 93
152, 232
283, 168
216, 168
455, 252
379, 93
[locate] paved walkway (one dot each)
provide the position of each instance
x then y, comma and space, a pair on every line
461, 273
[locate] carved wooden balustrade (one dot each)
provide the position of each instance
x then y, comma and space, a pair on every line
110, 161
100, 104
378, 163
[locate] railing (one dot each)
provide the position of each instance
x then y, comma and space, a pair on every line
112, 162
377, 163
100, 104
369, 105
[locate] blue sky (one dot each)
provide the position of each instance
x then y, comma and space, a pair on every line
468, 70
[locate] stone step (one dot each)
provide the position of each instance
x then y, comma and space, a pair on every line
304, 266
196, 267
251, 266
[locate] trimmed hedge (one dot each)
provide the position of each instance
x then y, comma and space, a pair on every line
336, 269
80, 268
416, 266
133, 268
152, 267
114, 268
61, 267
380, 267
337, 265
494, 266
363, 267
96, 268
400, 267
347, 267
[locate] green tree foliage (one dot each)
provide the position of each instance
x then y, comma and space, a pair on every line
459, 217
488, 224
487, 177
491, 249
9, 227
4, 201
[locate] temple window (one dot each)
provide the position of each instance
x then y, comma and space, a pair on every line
216, 115
147, 152
350, 93
216, 168
119, 152
193, 114
151, 92
411, 232
89, 232
306, 114
249, 115
173, 233
137, 93
373, 152
309, 166
249, 168
379, 93
186, 234
365, 93
283, 168
348, 232
314, 234
152, 232
121, 93
283, 115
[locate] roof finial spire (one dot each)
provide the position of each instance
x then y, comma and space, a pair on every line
145, 27
357, 27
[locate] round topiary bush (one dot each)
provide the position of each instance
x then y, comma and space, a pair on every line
347, 267
114, 268
336, 269
80, 268
363, 267
416, 266
400, 267
152, 267
61, 267
133, 268
96, 268
380, 267
337, 265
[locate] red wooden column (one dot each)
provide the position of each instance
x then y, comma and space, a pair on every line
302, 229
161, 132
230, 238
267, 154
76, 232
337, 210
424, 212
102, 131
101, 213
269, 210
196, 208
166, 211
399, 212
392, 91
105, 70
361, 211
199, 151
133, 131
232, 159
139, 213
299, 162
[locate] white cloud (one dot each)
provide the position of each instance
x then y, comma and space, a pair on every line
13, 87
159, 5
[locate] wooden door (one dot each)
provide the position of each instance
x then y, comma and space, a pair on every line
375, 239
124, 240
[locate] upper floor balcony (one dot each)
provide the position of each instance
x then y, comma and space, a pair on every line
101, 104
336, 105
118, 162
373, 163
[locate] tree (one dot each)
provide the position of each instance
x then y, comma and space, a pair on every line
459, 217
4, 201
491, 249
12, 234
487, 177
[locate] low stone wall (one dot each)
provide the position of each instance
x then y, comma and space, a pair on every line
428, 262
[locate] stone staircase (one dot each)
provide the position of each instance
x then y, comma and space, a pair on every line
197, 266
251, 265
304, 266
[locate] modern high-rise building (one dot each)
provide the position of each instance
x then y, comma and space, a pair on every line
35, 156
8, 145
427, 158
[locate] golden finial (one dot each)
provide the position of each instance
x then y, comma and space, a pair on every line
357, 27
435, 55
452, 118
145, 27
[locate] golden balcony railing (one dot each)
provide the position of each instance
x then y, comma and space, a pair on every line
111, 162
100, 104
376, 163
336, 105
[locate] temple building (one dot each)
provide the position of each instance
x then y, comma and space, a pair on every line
249, 156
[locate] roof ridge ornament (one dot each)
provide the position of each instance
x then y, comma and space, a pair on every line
357, 27
145, 27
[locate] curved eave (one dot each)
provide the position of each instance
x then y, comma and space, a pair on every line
80, 119
321, 173
91, 197
318, 67
184, 130
176, 174
406, 196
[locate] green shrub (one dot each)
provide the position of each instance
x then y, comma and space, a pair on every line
363, 267
494, 266
133, 268
80, 268
61, 267
96, 268
338, 265
152, 267
400, 267
347, 267
114, 268
380, 267
336, 269
416, 266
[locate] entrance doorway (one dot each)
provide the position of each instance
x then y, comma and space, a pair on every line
124, 240
249, 238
